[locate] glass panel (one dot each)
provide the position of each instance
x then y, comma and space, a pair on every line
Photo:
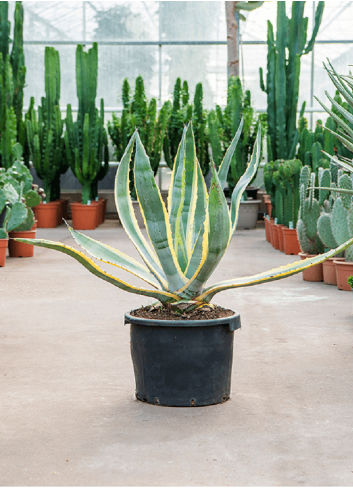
192, 21
206, 64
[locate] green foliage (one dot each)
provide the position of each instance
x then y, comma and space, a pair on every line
45, 134
282, 79
140, 113
17, 197
309, 213
86, 141
12, 81
188, 239
281, 180
222, 126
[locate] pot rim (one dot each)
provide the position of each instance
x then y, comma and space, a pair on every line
233, 322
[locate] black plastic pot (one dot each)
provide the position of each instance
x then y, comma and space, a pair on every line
182, 363
252, 192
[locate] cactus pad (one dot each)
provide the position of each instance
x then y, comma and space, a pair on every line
310, 217
324, 227
339, 222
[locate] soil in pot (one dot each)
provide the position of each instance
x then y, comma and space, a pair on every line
312, 274
3, 249
47, 214
84, 216
183, 362
17, 249
329, 271
343, 270
290, 241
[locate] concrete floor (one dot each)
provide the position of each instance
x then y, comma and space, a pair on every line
68, 416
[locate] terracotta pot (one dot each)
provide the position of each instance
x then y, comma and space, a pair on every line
312, 274
290, 241
17, 249
98, 216
343, 270
3, 248
280, 237
60, 211
83, 216
104, 207
267, 229
47, 214
275, 241
101, 210
272, 223
268, 207
329, 271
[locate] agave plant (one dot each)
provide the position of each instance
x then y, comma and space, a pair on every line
188, 240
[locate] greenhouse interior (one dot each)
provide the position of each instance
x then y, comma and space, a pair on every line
152, 145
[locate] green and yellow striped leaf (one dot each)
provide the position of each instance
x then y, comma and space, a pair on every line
92, 267
218, 228
127, 217
112, 256
156, 218
270, 275
244, 180
224, 166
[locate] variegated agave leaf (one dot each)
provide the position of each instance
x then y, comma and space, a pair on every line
187, 240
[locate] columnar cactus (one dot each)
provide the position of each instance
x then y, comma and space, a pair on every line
86, 140
45, 135
309, 213
222, 127
12, 80
139, 113
283, 72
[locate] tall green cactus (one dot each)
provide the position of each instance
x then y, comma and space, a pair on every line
86, 141
140, 113
281, 180
222, 126
45, 134
283, 72
13, 73
181, 114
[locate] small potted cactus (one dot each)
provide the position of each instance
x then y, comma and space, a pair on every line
182, 345
16, 217
307, 225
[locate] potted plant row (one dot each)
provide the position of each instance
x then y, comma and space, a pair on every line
183, 330
281, 180
16, 217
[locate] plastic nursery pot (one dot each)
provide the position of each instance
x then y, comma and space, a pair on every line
47, 214
252, 192
267, 229
268, 207
343, 270
275, 242
3, 248
290, 241
312, 274
17, 249
329, 271
272, 231
98, 214
84, 216
182, 363
61, 211
280, 237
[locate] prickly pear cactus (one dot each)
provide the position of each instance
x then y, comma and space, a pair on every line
336, 222
309, 214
